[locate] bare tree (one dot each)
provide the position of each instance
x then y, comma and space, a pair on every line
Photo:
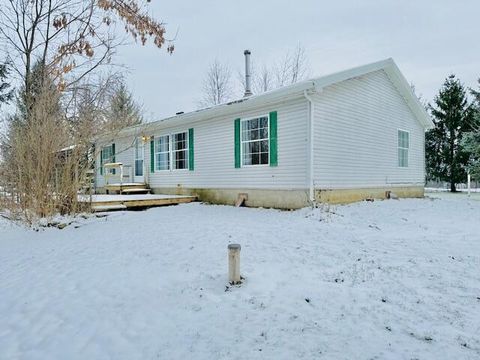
299, 68
420, 97
56, 48
70, 38
293, 67
32, 152
282, 71
48, 155
263, 81
217, 85
87, 104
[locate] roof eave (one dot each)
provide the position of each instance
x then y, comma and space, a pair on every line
410, 97
273, 96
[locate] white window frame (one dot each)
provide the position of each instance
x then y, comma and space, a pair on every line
258, 140
171, 166
107, 160
187, 149
138, 143
162, 152
110, 158
403, 148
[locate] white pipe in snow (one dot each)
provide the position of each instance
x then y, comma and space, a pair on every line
234, 264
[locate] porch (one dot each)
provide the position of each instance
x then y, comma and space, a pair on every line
120, 179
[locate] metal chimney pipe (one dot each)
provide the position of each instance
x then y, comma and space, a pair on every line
248, 75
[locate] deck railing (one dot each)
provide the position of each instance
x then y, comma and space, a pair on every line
124, 174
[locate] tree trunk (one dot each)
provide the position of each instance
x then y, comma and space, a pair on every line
453, 188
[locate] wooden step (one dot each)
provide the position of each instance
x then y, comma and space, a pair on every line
135, 191
111, 207
124, 186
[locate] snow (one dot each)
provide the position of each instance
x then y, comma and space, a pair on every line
446, 194
391, 279
433, 190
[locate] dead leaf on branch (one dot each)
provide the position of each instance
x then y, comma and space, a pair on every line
137, 22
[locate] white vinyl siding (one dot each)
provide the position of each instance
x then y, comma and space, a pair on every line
215, 146
403, 145
255, 141
356, 124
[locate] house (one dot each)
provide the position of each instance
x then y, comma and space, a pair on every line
339, 138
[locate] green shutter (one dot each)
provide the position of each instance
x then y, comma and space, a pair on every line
273, 139
237, 143
190, 150
101, 162
113, 158
152, 155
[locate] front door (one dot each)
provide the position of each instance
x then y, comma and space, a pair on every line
139, 160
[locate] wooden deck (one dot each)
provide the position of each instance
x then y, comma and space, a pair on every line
125, 202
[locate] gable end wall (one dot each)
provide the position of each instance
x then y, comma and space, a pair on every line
356, 123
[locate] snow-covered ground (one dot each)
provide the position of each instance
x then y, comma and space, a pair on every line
373, 280
434, 192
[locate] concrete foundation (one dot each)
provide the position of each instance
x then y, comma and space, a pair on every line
292, 199
278, 199
345, 196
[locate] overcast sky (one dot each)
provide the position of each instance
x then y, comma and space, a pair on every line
428, 39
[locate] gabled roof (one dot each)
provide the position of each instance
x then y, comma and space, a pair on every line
291, 91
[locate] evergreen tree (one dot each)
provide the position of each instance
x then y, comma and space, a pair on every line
471, 141
476, 95
25, 100
453, 116
6, 93
123, 110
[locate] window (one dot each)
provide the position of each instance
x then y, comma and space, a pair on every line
108, 156
139, 156
180, 150
255, 141
403, 145
162, 153
171, 152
